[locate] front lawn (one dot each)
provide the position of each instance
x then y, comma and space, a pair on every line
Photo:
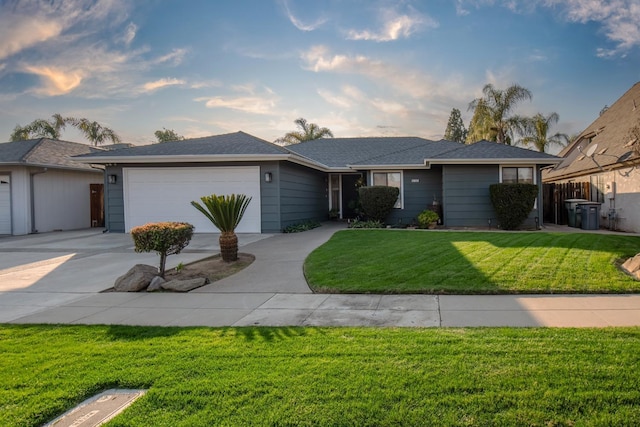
325, 376
417, 261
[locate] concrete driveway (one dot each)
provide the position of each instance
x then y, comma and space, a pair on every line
41, 271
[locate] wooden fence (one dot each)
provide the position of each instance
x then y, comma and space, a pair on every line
554, 195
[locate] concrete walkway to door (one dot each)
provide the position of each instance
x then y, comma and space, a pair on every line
57, 278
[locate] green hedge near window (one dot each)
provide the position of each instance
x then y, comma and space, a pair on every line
512, 203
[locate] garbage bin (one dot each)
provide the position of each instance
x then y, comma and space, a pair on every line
590, 213
571, 205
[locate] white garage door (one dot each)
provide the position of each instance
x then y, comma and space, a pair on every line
5, 204
165, 194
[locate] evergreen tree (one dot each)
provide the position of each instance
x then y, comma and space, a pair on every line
455, 128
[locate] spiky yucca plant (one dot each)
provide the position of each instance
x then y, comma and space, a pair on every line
225, 212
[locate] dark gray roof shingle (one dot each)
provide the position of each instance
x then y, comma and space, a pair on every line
487, 150
238, 143
45, 152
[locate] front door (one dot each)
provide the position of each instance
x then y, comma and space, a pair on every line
97, 204
350, 196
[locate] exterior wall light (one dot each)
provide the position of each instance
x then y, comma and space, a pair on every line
112, 179
268, 177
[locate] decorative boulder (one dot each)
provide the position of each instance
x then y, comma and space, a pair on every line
136, 279
184, 285
632, 266
156, 284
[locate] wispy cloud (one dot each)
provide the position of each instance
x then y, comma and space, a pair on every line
411, 82
395, 26
619, 19
159, 84
298, 23
55, 82
129, 34
246, 99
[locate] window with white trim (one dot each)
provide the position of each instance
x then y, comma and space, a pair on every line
389, 179
518, 175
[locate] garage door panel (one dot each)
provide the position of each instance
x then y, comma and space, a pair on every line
165, 194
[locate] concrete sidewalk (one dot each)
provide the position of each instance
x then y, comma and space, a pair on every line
273, 292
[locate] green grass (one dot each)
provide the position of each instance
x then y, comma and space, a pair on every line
417, 261
325, 376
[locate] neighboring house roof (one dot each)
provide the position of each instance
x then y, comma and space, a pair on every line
328, 154
45, 152
605, 144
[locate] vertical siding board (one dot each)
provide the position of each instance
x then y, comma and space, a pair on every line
303, 194
467, 202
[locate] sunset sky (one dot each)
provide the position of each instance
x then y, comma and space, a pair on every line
361, 68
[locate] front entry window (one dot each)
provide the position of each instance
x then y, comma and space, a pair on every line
519, 175
390, 179
335, 192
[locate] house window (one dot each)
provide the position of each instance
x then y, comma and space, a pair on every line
390, 179
517, 175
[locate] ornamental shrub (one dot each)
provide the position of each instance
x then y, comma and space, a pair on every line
427, 217
166, 238
377, 201
512, 203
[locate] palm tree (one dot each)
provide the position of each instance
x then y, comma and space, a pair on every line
535, 131
494, 110
40, 128
309, 132
94, 131
225, 212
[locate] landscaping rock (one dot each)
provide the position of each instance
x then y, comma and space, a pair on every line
136, 279
156, 284
184, 285
632, 266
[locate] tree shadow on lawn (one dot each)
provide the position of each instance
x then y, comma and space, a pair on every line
464, 263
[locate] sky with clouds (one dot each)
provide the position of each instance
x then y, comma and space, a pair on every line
359, 67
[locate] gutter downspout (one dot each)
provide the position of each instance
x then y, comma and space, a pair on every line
33, 202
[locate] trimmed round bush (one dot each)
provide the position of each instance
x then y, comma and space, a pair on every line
165, 238
377, 201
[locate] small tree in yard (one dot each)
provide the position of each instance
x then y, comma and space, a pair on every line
377, 201
225, 212
512, 203
166, 238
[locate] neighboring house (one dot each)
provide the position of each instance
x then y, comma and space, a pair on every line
606, 155
292, 184
43, 189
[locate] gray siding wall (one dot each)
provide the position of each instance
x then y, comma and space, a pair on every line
114, 195
303, 194
114, 200
466, 200
419, 195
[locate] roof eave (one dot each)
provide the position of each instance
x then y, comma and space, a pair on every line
394, 166
501, 161
185, 158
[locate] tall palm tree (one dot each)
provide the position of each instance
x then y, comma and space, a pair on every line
225, 212
535, 132
308, 132
94, 131
40, 128
495, 107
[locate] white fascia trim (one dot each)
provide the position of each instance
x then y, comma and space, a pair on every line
388, 167
501, 161
189, 158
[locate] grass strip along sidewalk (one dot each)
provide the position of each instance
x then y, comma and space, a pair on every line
417, 261
325, 376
